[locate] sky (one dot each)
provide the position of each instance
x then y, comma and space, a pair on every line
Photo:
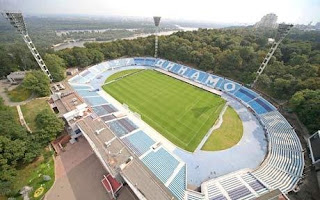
217, 11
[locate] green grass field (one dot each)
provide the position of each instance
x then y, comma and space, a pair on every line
228, 135
179, 111
19, 94
121, 74
31, 109
31, 175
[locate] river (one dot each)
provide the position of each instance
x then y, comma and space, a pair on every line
65, 45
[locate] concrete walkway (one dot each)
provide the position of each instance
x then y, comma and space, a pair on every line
21, 119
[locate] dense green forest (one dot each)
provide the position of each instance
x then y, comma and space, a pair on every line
293, 73
18, 147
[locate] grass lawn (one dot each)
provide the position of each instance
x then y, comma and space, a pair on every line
19, 94
15, 113
31, 109
31, 175
228, 135
179, 111
122, 73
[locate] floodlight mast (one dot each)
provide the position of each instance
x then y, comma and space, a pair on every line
17, 21
282, 32
156, 20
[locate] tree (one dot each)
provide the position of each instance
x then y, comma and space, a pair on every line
264, 81
82, 57
297, 59
67, 55
207, 61
49, 124
293, 48
315, 57
37, 82
284, 86
56, 66
96, 56
306, 103
228, 61
16, 147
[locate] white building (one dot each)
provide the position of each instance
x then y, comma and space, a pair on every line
267, 21
16, 77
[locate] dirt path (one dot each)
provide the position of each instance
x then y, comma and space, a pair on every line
21, 119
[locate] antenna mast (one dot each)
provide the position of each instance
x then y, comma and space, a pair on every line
282, 32
17, 21
156, 20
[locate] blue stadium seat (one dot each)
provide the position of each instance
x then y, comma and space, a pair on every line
161, 163
257, 107
150, 61
78, 79
213, 84
229, 86
95, 101
81, 87
176, 68
245, 94
117, 129
87, 93
189, 73
102, 110
139, 61
184, 73
178, 184
138, 142
203, 76
165, 64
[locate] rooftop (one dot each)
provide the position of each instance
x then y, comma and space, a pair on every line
145, 182
66, 102
106, 145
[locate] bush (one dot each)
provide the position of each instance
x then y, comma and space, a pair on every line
37, 82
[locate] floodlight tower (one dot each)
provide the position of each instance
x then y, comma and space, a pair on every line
17, 21
282, 32
156, 20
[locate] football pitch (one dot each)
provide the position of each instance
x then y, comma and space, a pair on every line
179, 111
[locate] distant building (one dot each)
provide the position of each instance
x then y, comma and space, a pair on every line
271, 40
308, 27
16, 77
267, 21
72, 71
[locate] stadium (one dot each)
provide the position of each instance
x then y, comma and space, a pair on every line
162, 128
148, 121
